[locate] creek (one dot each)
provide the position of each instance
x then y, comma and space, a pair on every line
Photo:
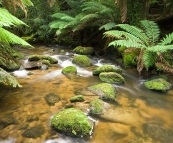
139, 115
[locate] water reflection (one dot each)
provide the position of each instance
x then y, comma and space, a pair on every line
137, 116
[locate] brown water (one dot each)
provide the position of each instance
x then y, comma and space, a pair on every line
139, 115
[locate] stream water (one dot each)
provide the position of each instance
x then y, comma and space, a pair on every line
141, 116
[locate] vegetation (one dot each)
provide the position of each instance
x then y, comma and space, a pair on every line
145, 38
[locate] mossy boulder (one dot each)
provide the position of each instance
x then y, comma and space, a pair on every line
159, 84
129, 57
96, 106
42, 57
84, 50
82, 61
106, 68
72, 122
111, 77
105, 90
77, 98
69, 70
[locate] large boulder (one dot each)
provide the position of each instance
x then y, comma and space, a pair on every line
105, 90
82, 61
111, 77
158, 84
69, 70
72, 122
106, 68
84, 50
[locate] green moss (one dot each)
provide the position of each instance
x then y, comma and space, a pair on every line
69, 70
42, 57
121, 50
111, 77
104, 90
129, 57
106, 68
158, 84
84, 50
78, 98
72, 122
96, 106
46, 62
82, 61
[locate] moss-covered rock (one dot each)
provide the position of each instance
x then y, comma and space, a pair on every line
104, 90
106, 68
43, 57
69, 70
96, 106
82, 61
77, 98
159, 84
46, 62
72, 122
84, 50
111, 77
129, 57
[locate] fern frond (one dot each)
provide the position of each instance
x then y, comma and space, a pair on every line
7, 79
27, 3
108, 26
151, 30
149, 59
122, 35
6, 19
126, 43
134, 31
167, 40
160, 48
58, 15
9, 37
90, 16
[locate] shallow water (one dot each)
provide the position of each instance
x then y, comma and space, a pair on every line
140, 115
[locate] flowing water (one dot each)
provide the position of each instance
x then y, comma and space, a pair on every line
137, 116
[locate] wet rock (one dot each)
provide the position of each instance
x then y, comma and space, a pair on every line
82, 61
85, 92
159, 84
106, 68
33, 65
6, 121
72, 122
77, 98
69, 70
34, 132
105, 90
44, 67
111, 77
84, 50
51, 99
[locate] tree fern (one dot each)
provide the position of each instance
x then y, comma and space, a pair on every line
167, 40
108, 26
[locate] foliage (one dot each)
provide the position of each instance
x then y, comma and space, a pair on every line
7, 53
145, 38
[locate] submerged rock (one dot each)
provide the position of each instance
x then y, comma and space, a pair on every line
77, 98
51, 99
82, 61
84, 50
104, 90
69, 70
6, 121
106, 68
34, 132
111, 77
159, 84
72, 122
